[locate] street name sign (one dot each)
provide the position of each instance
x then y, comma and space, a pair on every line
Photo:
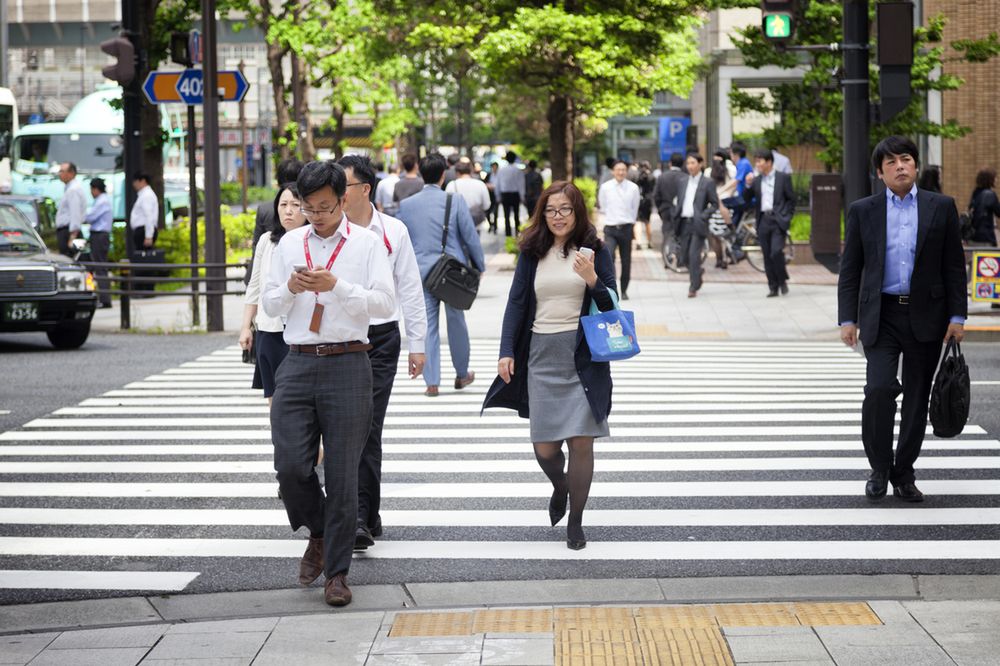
188, 87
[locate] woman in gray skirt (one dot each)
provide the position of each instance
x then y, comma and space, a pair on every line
545, 370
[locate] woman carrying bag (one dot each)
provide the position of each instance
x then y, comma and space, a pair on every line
545, 368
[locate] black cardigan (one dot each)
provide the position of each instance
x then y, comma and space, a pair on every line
515, 340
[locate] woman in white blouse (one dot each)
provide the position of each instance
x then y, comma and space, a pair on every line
271, 347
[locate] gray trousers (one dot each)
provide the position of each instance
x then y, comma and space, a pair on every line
328, 397
100, 243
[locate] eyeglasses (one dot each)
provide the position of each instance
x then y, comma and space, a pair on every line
318, 213
353, 184
565, 211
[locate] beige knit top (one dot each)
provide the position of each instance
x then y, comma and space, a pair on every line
558, 293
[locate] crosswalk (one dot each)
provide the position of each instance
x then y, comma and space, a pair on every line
722, 455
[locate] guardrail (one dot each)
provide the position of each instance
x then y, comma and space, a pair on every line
139, 280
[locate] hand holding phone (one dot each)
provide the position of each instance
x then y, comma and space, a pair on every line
300, 268
586, 252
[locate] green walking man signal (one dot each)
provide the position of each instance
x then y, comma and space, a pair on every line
778, 18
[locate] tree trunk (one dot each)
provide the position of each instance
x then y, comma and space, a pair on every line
149, 123
337, 118
300, 104
561, 137
275, 61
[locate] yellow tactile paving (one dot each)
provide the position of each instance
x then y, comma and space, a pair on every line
600, 617
702, 646
674, 617
432, 624
602, 647
513, 621
650, 330
755, 615
835, 614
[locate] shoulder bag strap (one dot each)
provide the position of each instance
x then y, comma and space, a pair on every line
447, 218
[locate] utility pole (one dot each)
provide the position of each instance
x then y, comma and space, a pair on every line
4, 44
857, 109
215, 251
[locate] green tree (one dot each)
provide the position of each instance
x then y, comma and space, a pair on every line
810, 110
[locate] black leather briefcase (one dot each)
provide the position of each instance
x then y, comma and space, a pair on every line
452, 281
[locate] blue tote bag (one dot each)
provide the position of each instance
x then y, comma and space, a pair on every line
610, 335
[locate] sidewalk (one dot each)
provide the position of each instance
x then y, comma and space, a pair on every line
894, 619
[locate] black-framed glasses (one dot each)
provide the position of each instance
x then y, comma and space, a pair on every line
322, 212
564, 211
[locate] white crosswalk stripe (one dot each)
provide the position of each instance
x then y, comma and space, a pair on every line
761, 440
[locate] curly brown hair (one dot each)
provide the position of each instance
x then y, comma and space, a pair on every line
537, 239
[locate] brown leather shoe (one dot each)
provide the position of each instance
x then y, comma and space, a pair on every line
337, 593
311, 565
462, 382
431, 392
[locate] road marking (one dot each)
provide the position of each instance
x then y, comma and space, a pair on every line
518, 518
769, 488
165, 581
252, 394
647, 384
4, 412
985, 382
515, 550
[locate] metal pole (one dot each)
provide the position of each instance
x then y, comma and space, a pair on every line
243, 147
857, 111
193, 211
215, 252
4, 44
131, 102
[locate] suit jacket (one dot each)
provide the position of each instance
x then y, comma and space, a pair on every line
665, 191
706, 202
423, 215
783, 207
938, 283
515, 339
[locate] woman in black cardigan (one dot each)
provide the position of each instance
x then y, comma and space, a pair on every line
545, 370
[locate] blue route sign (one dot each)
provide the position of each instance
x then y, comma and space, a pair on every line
188, 87
191, 87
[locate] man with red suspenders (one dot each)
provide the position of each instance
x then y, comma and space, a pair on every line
383, 333
328, 279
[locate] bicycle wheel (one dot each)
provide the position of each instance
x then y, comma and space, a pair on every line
789, 249
671, 261
751, 248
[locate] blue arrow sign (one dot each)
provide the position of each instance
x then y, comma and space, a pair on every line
191, 87
188, 87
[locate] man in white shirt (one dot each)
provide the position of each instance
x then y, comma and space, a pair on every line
781, 162
384, 191
510, 186
473, 190
697, 200
329, 279
383, 333
145, 214
72, 208
619, 199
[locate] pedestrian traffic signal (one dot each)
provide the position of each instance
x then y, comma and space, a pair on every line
123, 69
778, 20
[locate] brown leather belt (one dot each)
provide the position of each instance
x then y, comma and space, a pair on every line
330, 348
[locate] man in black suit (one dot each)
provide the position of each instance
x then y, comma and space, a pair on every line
775, 208
664, 194
696, 201
902, 281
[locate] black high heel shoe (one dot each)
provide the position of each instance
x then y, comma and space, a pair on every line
575, 538
557, 506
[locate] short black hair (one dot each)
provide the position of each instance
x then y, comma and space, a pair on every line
617, 162
511, 156
463, 168
288, 170
738, 148
98, 184
532, 164
721, 154
362, 167
317, 175
696, 155
676, 159
409, 161
138, 175
763, 154
432, 168
894, 145
277, 229
453, 159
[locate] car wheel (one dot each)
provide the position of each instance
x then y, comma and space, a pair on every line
68, 337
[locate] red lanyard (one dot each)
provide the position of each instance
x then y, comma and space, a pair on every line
336, 251
385, 238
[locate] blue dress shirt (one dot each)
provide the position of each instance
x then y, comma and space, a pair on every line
99, 216
743, 167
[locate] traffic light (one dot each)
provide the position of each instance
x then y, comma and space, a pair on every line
123, 70
778, 20
894, 27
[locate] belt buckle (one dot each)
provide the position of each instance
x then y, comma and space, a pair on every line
319, 349
904, 299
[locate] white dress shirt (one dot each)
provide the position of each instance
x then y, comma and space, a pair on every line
781, 162
510, 179
619, 202
255, 287
473, 190
364, 285
687, 207
383, 193
145, 211
72, 207
767, 192
406, 276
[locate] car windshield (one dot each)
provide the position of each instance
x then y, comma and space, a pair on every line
27, 208
16, 234
91, 153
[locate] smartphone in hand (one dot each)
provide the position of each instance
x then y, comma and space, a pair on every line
587, 252
300, 268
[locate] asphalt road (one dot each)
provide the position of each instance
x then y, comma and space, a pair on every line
39, 380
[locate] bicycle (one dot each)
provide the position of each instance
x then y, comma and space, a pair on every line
746, 246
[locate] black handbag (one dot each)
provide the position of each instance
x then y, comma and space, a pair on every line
452, 281
951, 394
250, 355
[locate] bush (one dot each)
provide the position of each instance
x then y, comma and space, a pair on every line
231, 194
588, 188
176, 242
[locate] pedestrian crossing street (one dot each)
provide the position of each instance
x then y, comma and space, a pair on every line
724, 457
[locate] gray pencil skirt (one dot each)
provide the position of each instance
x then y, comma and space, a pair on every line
558, 406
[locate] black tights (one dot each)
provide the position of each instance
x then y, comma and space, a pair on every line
576, 481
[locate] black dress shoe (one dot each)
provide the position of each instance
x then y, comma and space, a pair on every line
908, 492
557, 506
363, 538
575, 538
376, 529
784, 289
877, 485
772, 293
